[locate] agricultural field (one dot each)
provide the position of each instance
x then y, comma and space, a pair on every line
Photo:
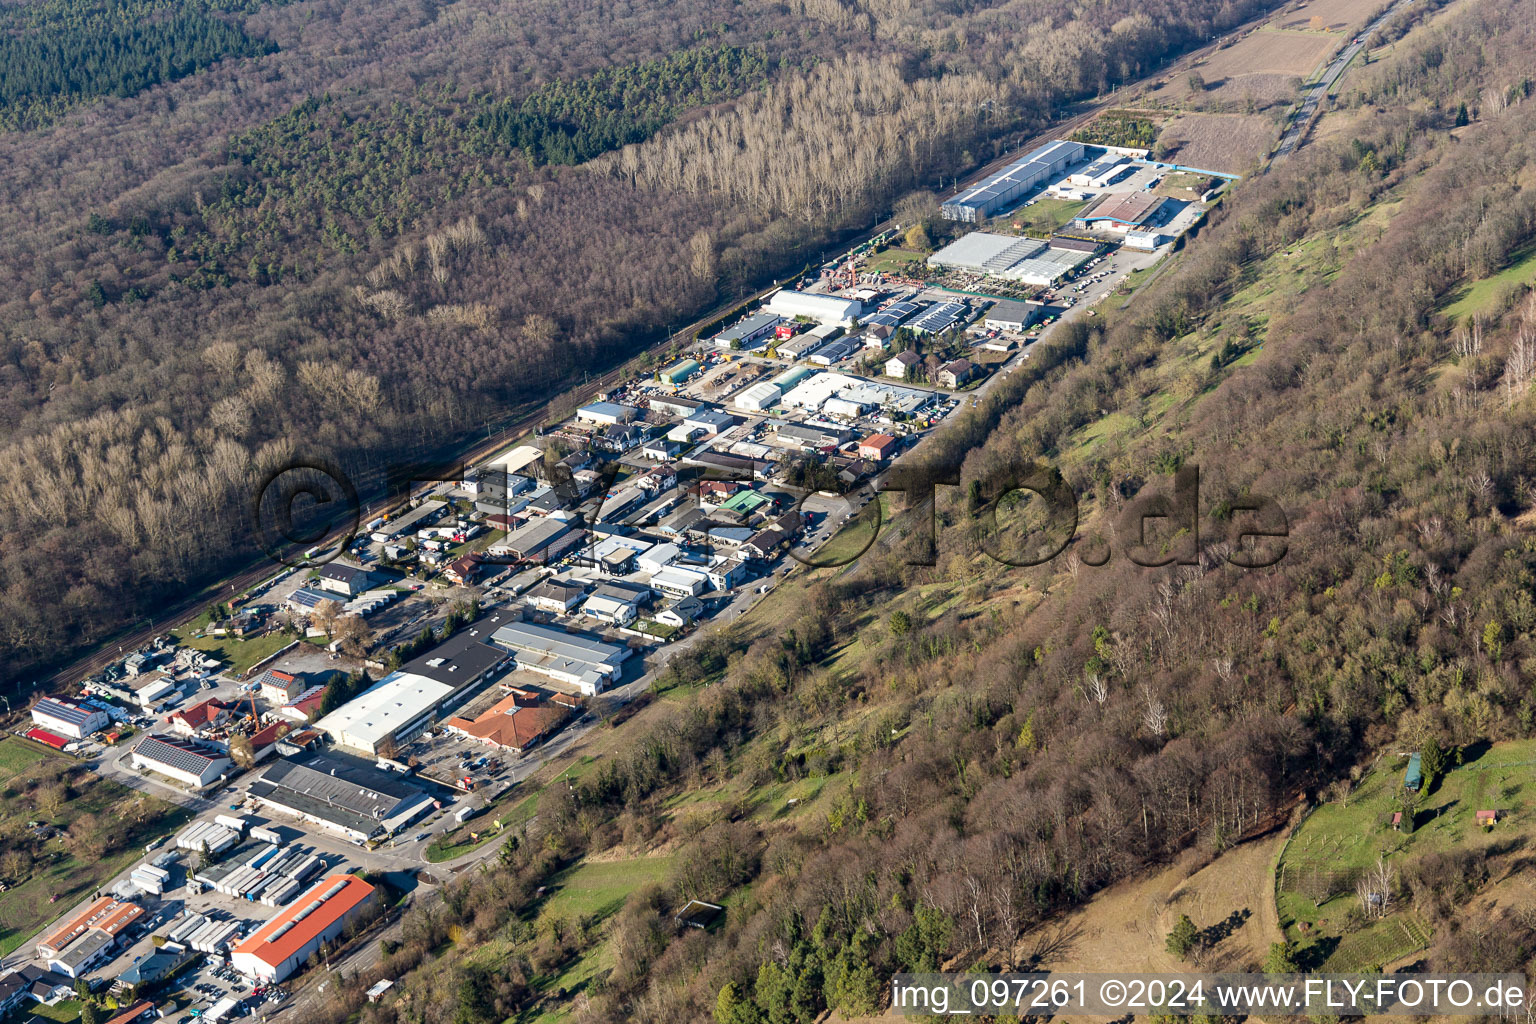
1234, 143
1270, 51
1261, 72
1332, 15
93, 828
1343, 840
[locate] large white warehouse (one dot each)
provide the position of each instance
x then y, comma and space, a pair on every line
827, 309
758, 397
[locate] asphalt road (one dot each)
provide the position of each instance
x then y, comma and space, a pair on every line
1312, 96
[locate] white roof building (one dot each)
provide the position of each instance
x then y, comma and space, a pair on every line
584, 662
758, 397
827, 309
398, 701
606, 413
983, 252
68, 718
676, 581
658, 557
517, 460
710, 421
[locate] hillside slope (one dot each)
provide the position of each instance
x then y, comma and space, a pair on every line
901, 766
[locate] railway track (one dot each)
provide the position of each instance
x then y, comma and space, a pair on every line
260, 569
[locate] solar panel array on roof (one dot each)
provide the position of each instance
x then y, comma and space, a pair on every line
187, 757
940, 318
893, 314
63, 711
309, 597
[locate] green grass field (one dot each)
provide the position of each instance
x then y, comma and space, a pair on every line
64, 1011
237, 655
28, 905
1047, 215
1484, 295
598, 889
1341, 840
896, 261
17, 755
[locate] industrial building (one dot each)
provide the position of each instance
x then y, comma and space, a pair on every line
1014, 182
107, 915
341, 794
679, 372
283, 944
1146, 241
798, 347
185, 761
747, 332
835, 351
758, 397
1011, 316
84, 940
1104, 171
709, 421
838, 394
792, 376
540, 541
825, 309
616, 605
893, 314
1049, 268
944, 316
518, 722
408, 522
67, 718
555, 596
1121, 212
513, 462
606, 413
985, 253
403, 703
582, 661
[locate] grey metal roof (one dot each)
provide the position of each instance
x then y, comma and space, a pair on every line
748, 327
1028, 170
1010, 312
336, 788
535, 536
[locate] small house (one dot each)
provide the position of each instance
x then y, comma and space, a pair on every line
898, 365
955, 373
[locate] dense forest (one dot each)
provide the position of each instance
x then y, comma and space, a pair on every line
370, 242
1008, 754
59, 53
